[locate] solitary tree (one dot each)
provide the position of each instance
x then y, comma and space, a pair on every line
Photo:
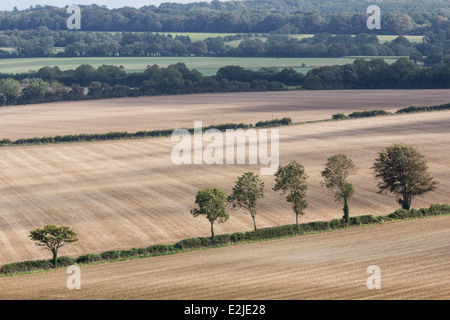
212, 204
338, 168
291, 179
403, 171
53, 238
247, 191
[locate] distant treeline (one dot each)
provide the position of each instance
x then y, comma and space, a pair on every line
377, 74
43, 42
288, 16
51, 84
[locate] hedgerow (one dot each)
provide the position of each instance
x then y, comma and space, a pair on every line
274, 123
414, 109
226, 239
114, 135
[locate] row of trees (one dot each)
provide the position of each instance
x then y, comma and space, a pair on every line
378, 74
402, 169
42, 43
51, 84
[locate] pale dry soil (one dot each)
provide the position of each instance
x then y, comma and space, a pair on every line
413, 257
125, 194
173, 112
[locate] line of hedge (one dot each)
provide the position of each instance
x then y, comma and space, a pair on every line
137, 135
414, 109
226, 239
375, 113
274, 123
113, 135
361, 114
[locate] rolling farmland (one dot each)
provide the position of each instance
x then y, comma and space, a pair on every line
124, 194
128, 194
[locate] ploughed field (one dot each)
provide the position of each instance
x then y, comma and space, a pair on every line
172, 112
125, 194
412, 256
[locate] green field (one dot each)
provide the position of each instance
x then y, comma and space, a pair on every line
206, 65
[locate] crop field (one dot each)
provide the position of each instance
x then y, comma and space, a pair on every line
206, 65
125, 194
412, 255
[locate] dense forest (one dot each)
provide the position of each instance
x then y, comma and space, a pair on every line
237, 17
51, 84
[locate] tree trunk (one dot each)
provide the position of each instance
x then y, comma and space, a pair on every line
296, 221
55, 257
254, 222
406, 203
212, 230
346, 216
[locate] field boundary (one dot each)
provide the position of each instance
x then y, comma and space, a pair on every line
203, 243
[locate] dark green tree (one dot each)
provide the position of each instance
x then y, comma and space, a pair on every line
403, 171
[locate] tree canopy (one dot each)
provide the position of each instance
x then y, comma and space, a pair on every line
247, 191
53, 238
337, 170
211, 204
291, 180
403, 171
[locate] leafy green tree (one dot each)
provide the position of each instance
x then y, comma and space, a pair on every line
338, 168
34, 91
76, 92
291, 180
404, 172
95, 90
84, 74
248, 190
212, 204
9, 89
53, 238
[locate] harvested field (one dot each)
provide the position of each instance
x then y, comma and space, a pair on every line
172, 112
413, 257
125, 194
